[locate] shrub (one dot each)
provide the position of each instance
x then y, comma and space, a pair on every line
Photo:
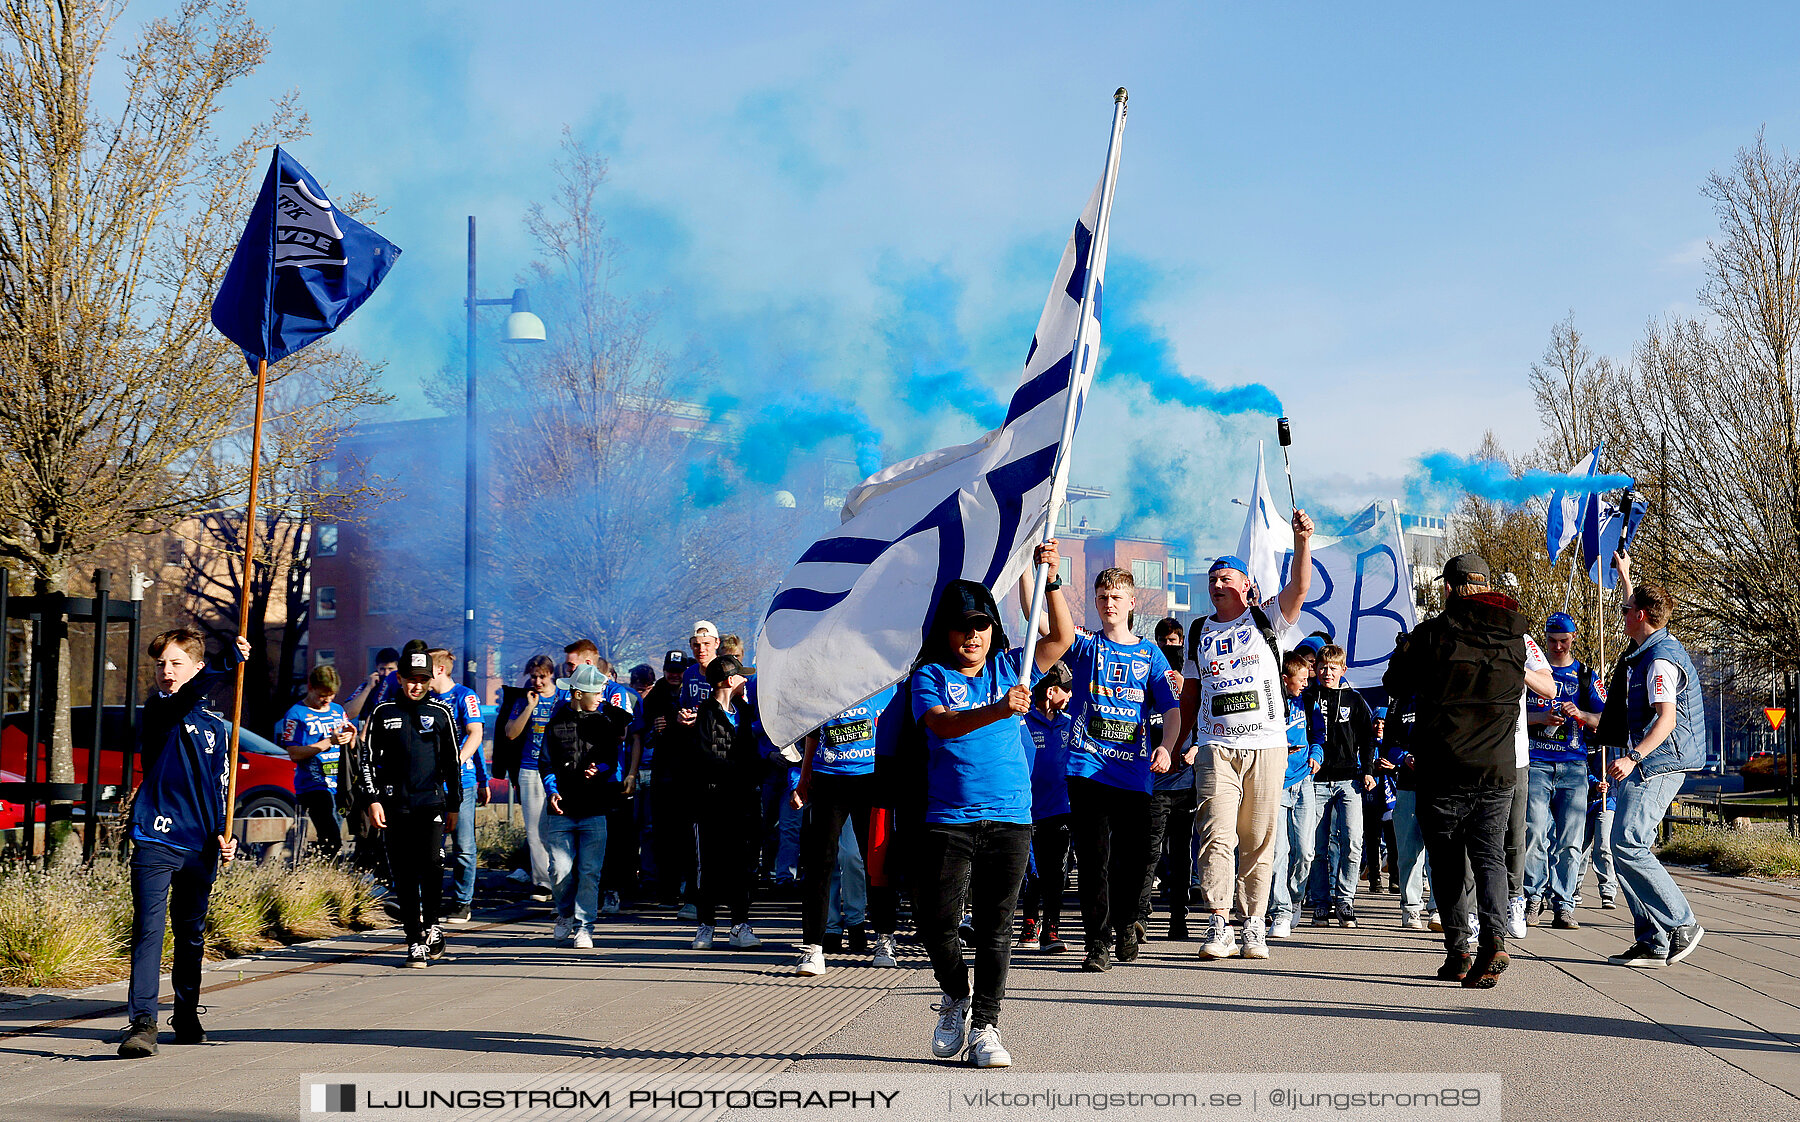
502, 846
60, 930
1754, 853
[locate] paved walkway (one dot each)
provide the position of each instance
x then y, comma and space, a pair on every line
1718, 1037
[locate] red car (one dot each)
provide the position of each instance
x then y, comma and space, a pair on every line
265, 780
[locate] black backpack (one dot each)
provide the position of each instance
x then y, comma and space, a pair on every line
1263, 625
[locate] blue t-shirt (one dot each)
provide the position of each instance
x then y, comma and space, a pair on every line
1117, 685
303, 725
467, 706
1049, 747
1298, 766
847, 741
695, 689
982, 775
1567, 742
534, 731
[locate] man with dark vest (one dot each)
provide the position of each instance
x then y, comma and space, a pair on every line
1656, 713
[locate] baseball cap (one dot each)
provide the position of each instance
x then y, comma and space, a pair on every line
1559, 623
1058, 675
675, 660
1312, 644
1465, 568
587, 679
705, 627
1230, 561
415, 665
721, 668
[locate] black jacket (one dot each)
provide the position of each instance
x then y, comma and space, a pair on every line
1340, 721
409, 763
1465, 670
716, 755
573, 740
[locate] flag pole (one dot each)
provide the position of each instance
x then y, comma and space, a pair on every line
237, 700
1078, 370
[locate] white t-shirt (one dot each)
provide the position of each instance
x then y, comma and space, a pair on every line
1240, 682
1665, 681
1534, 660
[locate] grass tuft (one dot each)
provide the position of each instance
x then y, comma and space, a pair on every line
1738, 853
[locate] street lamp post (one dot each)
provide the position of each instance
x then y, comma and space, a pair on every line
521, 327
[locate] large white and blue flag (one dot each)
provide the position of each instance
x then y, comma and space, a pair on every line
1268, 537
1608, 528
850, 616
1566, 506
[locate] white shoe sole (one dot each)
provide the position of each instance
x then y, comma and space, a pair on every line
809, 971
1640, 963
991, 1061
1699, 934
1259, 950
1212, 952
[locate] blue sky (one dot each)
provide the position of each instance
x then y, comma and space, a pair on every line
1377, 212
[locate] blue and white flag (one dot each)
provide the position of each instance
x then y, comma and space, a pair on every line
300, 269
1267, 536
1566, 506
1612, 528
852, 612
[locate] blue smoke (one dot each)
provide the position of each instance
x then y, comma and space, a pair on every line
1494, 481
921, 334
775, 431
707, 482
1138, 351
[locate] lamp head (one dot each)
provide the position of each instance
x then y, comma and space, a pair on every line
522, 326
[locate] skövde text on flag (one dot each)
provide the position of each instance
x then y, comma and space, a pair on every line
300, 269
1268, 534
852, 612
1564, 521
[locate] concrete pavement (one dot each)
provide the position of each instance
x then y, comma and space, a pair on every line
1717, 1037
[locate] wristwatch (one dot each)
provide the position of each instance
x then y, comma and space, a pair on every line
1053, 583
1634, 756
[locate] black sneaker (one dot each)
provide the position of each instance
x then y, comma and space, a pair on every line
187, 1027
1490, 962
834, 942
140, 1039
1683, 940
1639, 954
1141, 932
434, 942
1098, 960
458, 915
1456, 966
1128, 944
1051, 943
415, 956
1346, 915
1566, 921
1534, 910
859, 939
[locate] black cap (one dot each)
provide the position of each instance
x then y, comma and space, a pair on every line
1058, 675
675, 660
415, 665
1466, 568
963, 604
721, 668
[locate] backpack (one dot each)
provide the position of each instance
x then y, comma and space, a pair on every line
1259, 617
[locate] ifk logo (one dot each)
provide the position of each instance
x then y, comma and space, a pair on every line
333, 1098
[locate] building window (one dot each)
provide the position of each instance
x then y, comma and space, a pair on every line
327, 608
325, 657
1147, 574
325, 540
1178, 566
1065, 572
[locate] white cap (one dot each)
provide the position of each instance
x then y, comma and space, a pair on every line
705, 627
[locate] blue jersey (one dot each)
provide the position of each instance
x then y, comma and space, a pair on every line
302, 726
467, 706
1300, 748
695, 689
1048, 742
1567, 742
982, 775
1117, 686
385, 690
534, 729
847, 741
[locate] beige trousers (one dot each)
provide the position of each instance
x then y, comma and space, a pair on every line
1238, 795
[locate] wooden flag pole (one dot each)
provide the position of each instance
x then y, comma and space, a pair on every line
237, 700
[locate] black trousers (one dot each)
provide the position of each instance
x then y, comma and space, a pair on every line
672, 836
831, 801
619, 872
168, 883
983, 862
1465, 836
1515, 833
321, 807
1171, 833
414, 839
726, 822
1110, 827
1376, 830
1050, 852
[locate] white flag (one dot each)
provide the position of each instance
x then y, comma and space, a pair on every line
1268, 535
852, 612
1564, 521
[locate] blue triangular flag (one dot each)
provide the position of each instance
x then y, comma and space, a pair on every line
300, 269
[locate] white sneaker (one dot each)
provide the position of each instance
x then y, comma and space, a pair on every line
952, 1026
1515, 919
1410, 920
985, 1049
703, 938
1434, 921
885, 955
1282, 928
688, 911
1254, 945
583, 940
565, 926
610, 905
1220, 941
743, 938
812, 961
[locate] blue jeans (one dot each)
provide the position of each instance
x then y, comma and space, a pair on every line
847, 901
168, 884
1293, 858
1555, 828
1599, 850
462, 852
1657, 906
577, 849
787, 829
1340, 812
1409, 850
